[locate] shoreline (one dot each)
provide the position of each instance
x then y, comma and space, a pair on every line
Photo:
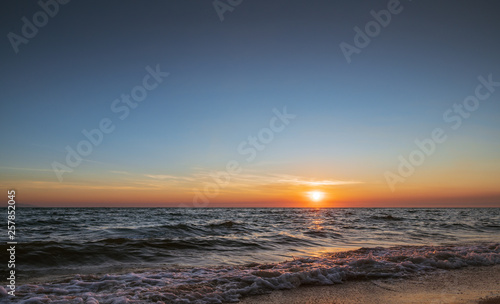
478, 285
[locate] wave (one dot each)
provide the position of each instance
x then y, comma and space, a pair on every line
46, 254
229, 284
386, 217
224, 224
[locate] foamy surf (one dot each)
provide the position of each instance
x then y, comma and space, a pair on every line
230, 284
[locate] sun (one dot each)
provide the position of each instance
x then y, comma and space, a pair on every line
316, 196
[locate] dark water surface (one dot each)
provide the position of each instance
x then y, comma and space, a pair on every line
72, 238
224, 253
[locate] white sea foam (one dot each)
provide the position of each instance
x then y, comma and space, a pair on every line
229, 284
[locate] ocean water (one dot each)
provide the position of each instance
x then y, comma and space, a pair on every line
218, 255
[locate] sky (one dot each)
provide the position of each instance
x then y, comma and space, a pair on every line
256, 103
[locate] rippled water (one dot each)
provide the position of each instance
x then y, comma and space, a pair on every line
170, 255
68, 240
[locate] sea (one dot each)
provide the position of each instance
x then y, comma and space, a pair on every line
220, 255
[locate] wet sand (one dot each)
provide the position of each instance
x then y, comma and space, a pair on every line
478, 285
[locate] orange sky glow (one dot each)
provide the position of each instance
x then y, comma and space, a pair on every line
253, 190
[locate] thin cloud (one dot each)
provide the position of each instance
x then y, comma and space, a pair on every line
27, 169
321, 182
246, 179
298, 180
165, 177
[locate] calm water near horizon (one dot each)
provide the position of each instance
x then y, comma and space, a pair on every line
223, 248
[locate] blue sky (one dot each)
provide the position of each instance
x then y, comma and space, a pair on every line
353, 120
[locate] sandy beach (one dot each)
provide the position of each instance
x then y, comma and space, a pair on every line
469, 285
